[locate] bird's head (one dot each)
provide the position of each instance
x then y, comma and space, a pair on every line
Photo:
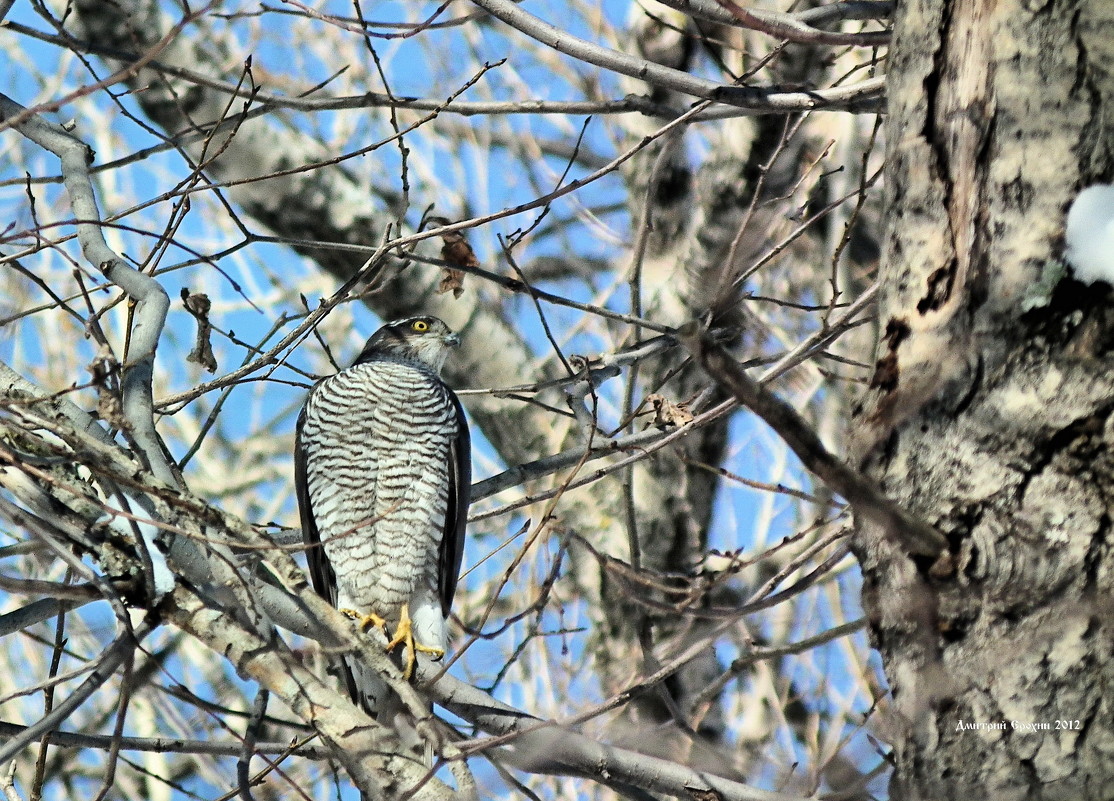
422, 339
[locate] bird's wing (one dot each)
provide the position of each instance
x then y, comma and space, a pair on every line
320, 571
456, 513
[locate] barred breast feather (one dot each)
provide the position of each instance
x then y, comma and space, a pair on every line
382, 472
377, 439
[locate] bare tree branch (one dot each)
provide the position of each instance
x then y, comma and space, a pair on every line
68, 739
861, 97
793, 27
658, 588
864, 496
150, 298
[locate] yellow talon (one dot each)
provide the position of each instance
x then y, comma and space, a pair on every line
404, 634
367, 621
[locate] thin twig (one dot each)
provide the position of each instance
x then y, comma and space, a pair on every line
789, 26
10, 793
864, 495
247, 749
159, 745
859, 97
151, 299
109, 661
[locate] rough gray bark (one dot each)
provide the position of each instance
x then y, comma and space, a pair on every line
990, 411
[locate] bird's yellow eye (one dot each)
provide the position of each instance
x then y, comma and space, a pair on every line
419, 325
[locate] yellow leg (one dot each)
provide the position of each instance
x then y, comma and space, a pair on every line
404, 634
367, 621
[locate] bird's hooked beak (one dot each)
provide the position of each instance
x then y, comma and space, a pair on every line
452, 341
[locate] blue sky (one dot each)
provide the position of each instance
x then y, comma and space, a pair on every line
269, 408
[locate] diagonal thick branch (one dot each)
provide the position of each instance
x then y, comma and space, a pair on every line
866, 498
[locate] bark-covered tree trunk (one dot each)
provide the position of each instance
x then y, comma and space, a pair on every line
991, 411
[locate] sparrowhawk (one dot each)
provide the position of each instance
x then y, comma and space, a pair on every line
382, 471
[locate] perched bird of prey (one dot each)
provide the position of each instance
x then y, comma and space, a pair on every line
382, 471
